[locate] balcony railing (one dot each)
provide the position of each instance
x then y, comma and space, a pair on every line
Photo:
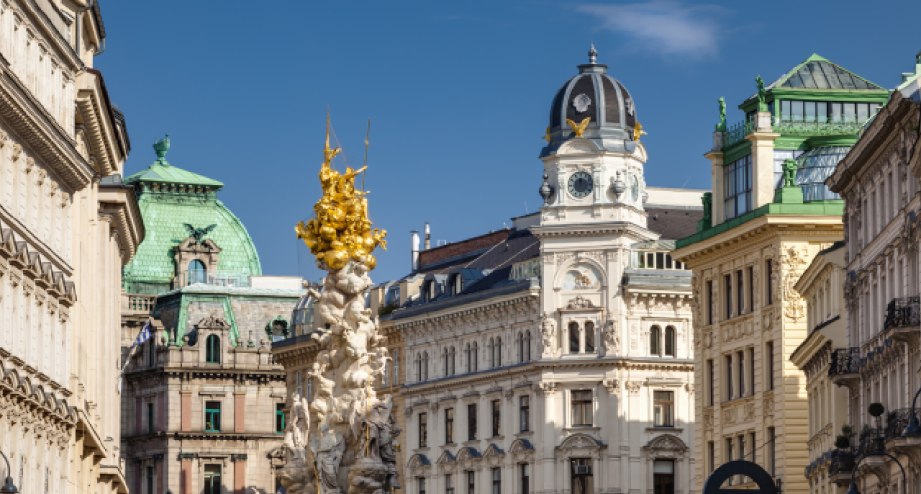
138, 303
815, 128
903, 312
844, 361
841, 461
737, 132
896, 421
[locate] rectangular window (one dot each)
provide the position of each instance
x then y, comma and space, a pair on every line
769, 364
423, 430
524, 413
727, 295
711, 456
752, 447
710, 301
449, 483
525, 478
710, 377
449, 426
785, 110
279, 418
581, 472
149, 477
496, 480
737, 187
663, 408
796, 111
751, 370
496, 414
663, 477
837, 114
751, 288
150, 418
740, 366
581, 401
212, 479
420, 485
471, 421
740, 292
728, 373
212, 416
768, 282
471, 482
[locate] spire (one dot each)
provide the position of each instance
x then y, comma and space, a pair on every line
328, 153
161, 147
593, 55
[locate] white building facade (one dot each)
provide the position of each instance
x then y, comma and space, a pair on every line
557, 356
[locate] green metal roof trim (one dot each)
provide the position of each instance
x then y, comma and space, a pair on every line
815, 208
163, 172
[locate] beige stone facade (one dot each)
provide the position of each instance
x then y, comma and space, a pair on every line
67, 226
822, 287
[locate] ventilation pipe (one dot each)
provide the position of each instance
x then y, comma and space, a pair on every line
428, 237
414, 240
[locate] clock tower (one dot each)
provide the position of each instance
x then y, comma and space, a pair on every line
592, 215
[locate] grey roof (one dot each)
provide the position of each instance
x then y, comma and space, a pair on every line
673, 223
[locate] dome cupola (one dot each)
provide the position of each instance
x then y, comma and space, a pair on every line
595, 106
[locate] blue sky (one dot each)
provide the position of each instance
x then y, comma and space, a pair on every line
458, 94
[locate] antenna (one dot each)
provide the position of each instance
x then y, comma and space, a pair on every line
365, 163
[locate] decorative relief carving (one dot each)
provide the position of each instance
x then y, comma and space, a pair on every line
611, 338
546, 388
548, 335
794, 261
633, 387
612, 386
579, 302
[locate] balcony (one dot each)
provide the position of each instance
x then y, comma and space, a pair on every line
903, 318
137, 304
840, 466
844, 366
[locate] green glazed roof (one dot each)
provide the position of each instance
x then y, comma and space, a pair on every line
169, 198
817, 72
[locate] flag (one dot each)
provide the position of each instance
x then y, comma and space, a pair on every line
144, 335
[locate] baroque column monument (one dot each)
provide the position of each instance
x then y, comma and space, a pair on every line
341, 439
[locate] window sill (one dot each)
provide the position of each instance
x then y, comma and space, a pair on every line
664, 428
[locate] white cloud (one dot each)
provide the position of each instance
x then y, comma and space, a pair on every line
663, 26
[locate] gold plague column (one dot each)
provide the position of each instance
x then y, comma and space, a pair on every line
340, 440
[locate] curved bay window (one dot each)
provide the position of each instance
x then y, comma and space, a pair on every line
197, 272
213, 349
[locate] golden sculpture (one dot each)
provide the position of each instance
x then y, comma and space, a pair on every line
638, 132
578, 128
341, 230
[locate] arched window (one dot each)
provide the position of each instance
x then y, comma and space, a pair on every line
498, 350
476, 356
198, 273
213, 349
527, 346
573, 337
655, 341
452, 355
589, 337
671, 341
519, 339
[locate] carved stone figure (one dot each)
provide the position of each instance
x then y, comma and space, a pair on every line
547, 334
611, 337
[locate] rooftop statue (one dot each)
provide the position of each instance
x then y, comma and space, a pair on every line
341, 439
762, 94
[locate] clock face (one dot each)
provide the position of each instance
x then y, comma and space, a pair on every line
580, 184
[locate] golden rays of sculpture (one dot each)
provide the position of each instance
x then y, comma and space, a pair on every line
341, 230
578, 128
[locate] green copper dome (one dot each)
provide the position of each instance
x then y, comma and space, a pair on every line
176, 204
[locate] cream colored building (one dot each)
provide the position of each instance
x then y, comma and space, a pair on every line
822, 287
879, 180
67, 226
771, 214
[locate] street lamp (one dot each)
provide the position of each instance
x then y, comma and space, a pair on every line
8, 486
876, 410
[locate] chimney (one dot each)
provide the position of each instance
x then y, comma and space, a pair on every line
414, 240
428, 237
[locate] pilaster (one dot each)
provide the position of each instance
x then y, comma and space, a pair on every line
762, 140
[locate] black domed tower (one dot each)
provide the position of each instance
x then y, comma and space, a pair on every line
593, 160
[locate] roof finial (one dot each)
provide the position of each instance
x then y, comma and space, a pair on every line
592, 55
161, 147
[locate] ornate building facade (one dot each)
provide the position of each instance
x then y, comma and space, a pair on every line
204, 402
67, 226
557, 355
822, 288
769, 214
879, 180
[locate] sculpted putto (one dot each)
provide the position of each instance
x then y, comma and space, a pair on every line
341, 439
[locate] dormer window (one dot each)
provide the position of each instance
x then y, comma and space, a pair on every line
197, 272
213, 349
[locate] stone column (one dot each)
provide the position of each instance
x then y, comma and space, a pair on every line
239, 411
762, 140
716, 171
185, 420
239, 473
185, 476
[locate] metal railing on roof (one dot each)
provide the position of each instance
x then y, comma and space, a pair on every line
737, 132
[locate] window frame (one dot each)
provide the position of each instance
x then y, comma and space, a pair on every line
422, 438
524, 413
663, 414
449, 425
581, 407
212, 411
